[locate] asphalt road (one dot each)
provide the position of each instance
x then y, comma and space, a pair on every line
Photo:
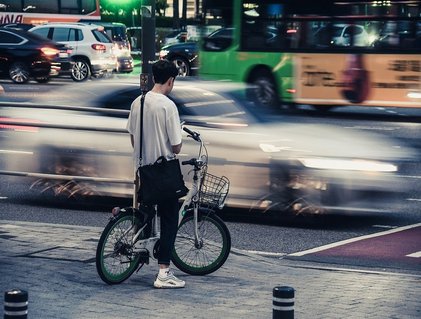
261, 234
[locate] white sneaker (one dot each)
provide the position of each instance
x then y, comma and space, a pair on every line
168, 281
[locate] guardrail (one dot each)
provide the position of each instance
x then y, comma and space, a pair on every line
76, 178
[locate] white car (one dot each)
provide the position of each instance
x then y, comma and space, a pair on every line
91, 47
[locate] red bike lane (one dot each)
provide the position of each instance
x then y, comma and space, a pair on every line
397, 248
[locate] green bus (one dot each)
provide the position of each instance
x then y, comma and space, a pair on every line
321, 53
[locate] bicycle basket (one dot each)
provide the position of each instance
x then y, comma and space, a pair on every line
213, 191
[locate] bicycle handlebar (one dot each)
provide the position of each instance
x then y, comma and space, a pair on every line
193, 135
189, 162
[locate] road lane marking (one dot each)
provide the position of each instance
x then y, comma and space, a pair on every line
415, 255
384, 226
352, 240
414, 199
264, 253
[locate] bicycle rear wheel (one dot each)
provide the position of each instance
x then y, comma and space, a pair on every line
210, 252
116, 259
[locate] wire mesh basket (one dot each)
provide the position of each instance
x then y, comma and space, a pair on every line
213, 191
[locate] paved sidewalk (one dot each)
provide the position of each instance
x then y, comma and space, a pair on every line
55, 264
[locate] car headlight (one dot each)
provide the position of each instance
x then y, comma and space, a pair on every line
348, 164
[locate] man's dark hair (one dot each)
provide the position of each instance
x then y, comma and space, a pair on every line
162, 70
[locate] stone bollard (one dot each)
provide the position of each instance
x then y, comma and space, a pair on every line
283, 303
15, 304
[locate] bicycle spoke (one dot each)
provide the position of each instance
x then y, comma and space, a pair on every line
208, 252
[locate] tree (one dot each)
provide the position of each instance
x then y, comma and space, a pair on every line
176, 24
161, 5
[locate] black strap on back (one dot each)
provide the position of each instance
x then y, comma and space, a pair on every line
142, 103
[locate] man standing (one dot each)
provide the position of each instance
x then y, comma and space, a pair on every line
161, 136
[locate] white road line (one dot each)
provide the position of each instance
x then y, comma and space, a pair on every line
351, 240
414, 199
415, 255
265, 253
384, 226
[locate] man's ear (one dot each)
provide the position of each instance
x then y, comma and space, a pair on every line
170, 81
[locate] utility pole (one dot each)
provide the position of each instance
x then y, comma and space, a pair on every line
148, 44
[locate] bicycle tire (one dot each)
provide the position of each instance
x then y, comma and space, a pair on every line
213, 250
115, 259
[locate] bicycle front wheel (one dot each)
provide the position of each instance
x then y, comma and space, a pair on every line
116, 259
209, 252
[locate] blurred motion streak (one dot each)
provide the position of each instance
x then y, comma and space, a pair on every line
273, 165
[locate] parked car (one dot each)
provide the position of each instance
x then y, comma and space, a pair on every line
272, 164
92, 49
21, 26
184, 55
117, 32
25, 55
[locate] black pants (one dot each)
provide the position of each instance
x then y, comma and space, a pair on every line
169, 226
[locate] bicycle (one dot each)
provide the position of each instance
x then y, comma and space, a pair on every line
203, 240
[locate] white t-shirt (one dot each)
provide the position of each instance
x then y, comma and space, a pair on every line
161, 128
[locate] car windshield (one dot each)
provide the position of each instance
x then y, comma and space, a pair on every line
198, 102
208, 103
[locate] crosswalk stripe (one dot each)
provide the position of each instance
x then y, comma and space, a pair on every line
415, 255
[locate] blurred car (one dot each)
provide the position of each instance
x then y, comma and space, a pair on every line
92, 49
273, 165
184, 55
24, 55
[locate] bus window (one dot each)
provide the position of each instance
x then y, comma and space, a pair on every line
219, 40
262, 29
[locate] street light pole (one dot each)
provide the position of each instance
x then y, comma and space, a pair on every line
148, 44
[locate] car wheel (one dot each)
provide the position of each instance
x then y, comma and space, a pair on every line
182, 65
19, 72
42, 80
80, 70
